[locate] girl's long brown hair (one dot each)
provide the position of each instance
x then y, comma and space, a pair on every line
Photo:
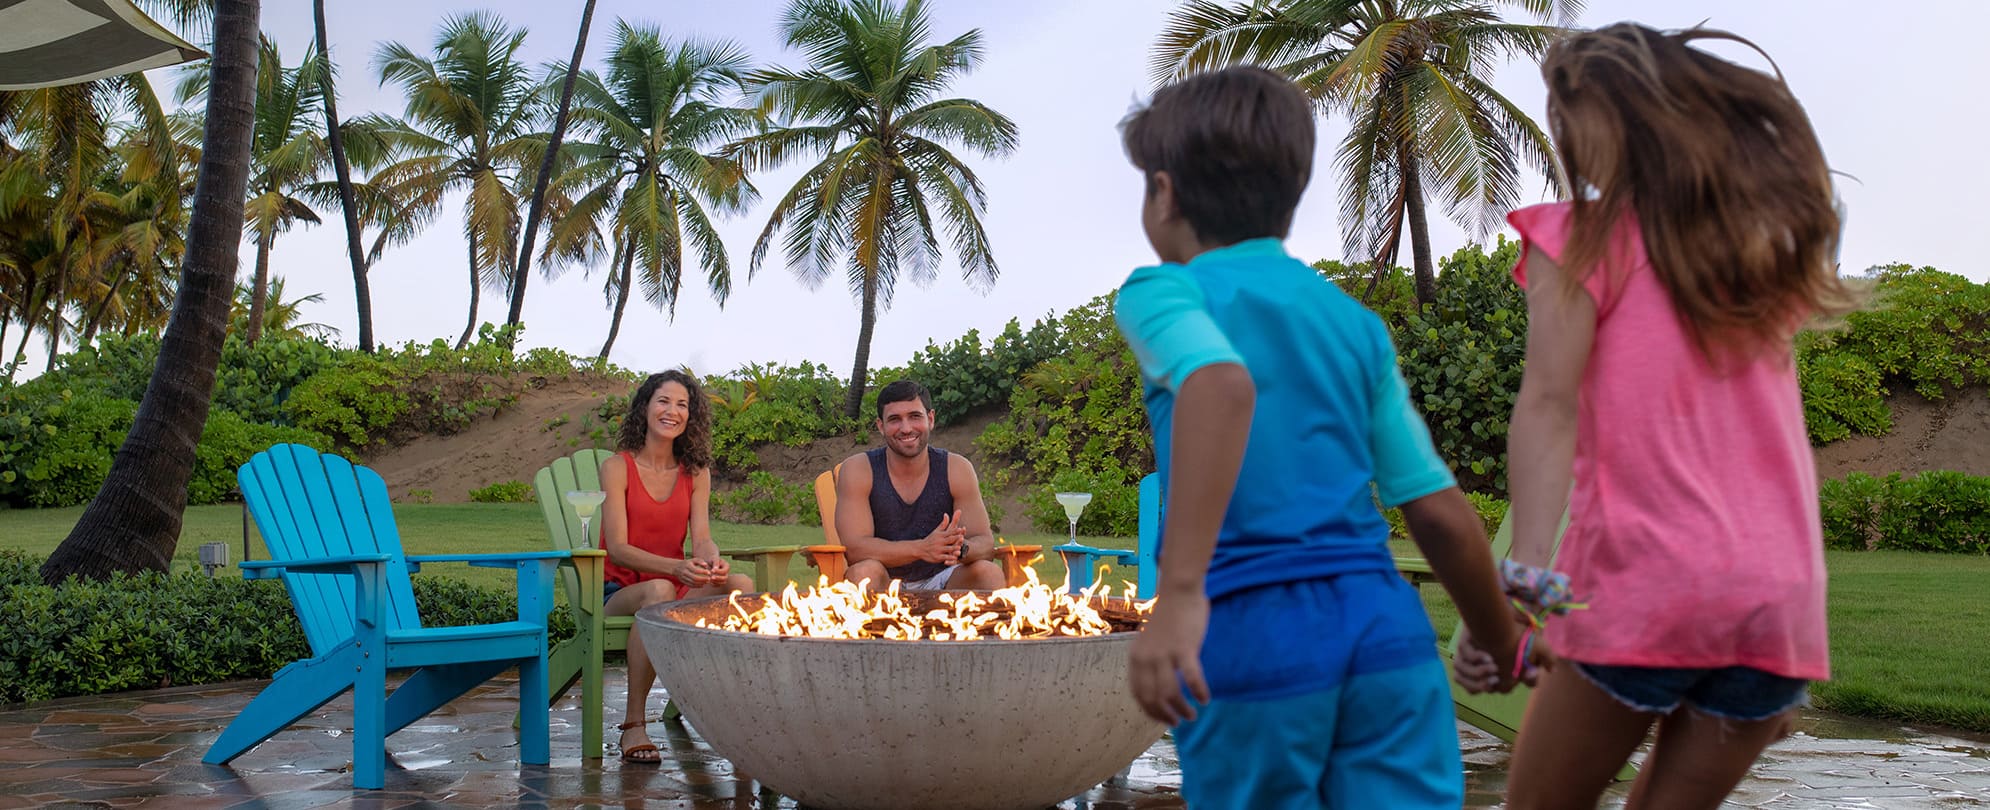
1722, 169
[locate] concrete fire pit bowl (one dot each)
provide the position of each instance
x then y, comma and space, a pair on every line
876, 725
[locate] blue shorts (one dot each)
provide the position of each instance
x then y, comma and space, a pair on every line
608, 589
1383, 739
1326, 692
1736, 693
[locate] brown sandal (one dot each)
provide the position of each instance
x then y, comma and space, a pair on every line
630, 754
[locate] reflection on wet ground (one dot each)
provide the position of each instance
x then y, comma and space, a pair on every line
143, 749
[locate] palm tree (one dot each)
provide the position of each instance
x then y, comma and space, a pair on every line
342, 169
537, 207
64, 186
642, 178
1413, 78
469, 127
289, 151
133, 524
868, 103
284, 319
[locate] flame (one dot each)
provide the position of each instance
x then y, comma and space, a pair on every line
846, 610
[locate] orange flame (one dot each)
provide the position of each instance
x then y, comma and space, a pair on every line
850, 611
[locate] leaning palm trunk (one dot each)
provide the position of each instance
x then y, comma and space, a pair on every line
1426, 272
361, 292
260, 291
537, 208
134, 522
628, 262
476, 287
853, 402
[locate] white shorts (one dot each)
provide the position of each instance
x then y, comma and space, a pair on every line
936, 582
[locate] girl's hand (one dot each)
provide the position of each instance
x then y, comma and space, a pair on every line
1473, 668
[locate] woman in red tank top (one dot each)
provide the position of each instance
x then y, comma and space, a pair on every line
659, 497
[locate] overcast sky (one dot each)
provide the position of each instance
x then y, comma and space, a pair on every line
1889, 94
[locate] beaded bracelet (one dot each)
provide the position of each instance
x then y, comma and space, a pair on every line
1535, 593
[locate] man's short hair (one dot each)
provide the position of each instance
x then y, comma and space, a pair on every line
904, 391
1238, 143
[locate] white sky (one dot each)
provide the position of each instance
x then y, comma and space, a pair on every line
1889, 94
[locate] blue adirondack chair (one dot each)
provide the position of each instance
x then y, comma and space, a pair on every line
1082, 561
331, 536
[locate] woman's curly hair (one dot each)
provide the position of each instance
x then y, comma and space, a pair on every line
693, 447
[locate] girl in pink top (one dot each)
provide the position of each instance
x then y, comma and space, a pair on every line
1660, 384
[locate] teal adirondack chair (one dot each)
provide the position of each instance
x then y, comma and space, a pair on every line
579, 659
332, 538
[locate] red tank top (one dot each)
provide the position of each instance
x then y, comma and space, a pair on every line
658, 527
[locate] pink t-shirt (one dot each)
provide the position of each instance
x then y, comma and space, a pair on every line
1693, 528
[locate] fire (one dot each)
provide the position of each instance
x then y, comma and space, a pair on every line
849, 611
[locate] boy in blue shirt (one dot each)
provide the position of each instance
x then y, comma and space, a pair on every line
1279, 416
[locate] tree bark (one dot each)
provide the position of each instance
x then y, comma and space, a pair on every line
523, 267
476, 287
361, 292
259, 291
1426, 271
853, 402
134, 522
96, 321
628, 263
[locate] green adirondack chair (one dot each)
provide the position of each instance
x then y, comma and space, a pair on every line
578, 659
1498, 715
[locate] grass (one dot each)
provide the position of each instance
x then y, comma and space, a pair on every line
1909, 631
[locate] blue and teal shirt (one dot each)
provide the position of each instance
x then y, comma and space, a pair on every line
1333, 430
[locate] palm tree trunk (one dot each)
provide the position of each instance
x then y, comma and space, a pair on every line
361, 292
621, 300
853, 402
54, 339
1426, 271
537, 208
134, 522
260, 291
476, 285
96, 321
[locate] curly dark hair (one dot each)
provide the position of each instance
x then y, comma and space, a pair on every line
693, 447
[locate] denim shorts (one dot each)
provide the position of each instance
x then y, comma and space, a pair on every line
1735, 693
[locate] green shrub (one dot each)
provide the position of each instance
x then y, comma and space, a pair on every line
503, 492
154, 630
353, 402
1842, 394
1077, 420
1938, 510
253, 381
56, 444
1392, 295
764, 498
1114, 510
963, 377
769, 404
1462, 357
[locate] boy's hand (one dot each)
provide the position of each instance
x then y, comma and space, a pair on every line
1480, 671
1166, 656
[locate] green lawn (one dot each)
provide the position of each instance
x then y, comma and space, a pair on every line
1905, 627
462, 528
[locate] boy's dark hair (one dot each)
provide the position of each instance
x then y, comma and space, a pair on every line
1238, 143
904, 391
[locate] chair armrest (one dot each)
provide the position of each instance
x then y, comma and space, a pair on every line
509, 559
747, 553
1118, 554
268, 569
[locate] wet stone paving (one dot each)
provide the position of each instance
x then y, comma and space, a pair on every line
143, 749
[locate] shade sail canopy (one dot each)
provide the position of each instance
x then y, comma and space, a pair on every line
44, 43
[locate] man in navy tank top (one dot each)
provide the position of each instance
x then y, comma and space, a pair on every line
912, 512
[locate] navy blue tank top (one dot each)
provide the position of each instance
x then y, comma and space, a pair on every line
894, 519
